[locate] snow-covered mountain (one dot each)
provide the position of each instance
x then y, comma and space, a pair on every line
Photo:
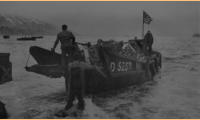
16, 25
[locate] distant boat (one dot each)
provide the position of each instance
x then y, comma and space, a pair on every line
196, 35
37, 36
6, 36
26, 39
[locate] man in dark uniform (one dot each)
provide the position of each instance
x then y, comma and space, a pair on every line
148, 42
76, 82
67, 41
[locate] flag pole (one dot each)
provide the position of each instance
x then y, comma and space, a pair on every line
143, 32
143, 26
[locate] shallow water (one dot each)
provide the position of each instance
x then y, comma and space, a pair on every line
174, 93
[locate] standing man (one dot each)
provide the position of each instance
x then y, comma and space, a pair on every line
76, 86
67, 41
147, 43
150, 42
135, 38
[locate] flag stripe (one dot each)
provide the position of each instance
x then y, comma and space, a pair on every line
146, 18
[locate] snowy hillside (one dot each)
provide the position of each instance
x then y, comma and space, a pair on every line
15, 25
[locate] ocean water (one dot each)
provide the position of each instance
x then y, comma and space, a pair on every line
174, 93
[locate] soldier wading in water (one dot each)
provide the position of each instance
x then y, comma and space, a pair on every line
76, 86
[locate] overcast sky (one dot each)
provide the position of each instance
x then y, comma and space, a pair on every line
117, 18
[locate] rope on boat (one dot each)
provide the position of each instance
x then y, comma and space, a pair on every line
28, 60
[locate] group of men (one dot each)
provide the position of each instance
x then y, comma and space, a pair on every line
74, 79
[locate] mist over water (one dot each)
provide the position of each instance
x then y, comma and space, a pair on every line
111, 18
174, 93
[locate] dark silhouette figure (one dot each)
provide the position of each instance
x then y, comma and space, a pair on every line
3, 112
147, 44
76, 82
67, 41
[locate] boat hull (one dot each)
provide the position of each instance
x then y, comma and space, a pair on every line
26, 39
96, 83
49, 64
136, 72
6, 36
37, 37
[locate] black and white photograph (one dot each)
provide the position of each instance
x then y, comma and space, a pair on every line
99, 59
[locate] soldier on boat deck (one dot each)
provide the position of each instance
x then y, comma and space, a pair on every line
67, 41
147, 43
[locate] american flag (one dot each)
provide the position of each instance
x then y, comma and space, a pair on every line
146, 18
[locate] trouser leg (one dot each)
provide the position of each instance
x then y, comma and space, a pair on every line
147, 50
63, 61
70, 53
70, 99
150, 49
81, 104
66, 82
63, 56
144, 48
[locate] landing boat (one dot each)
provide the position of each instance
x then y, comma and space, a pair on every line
196, 35
116, 64
6, 36
26, 39
37, 37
